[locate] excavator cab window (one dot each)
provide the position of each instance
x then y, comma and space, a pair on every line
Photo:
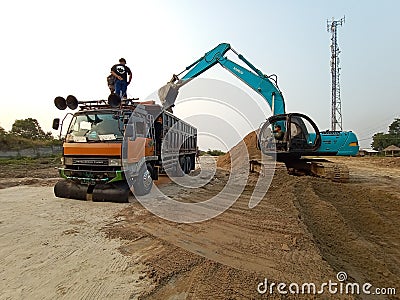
300, 135
303, 133
295, 130
272, 136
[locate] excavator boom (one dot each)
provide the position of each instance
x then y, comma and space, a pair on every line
263, 84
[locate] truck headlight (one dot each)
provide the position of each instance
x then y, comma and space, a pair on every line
68, 161
115, 162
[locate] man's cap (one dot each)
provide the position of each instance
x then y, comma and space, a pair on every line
122, 60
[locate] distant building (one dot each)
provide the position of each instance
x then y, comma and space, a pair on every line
392, 150
367, 152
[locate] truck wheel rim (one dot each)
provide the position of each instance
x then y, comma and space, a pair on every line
147, 179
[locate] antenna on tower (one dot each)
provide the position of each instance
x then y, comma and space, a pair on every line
336, 114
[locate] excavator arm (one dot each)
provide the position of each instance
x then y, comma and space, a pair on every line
263, 84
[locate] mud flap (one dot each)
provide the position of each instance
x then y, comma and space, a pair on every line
114, 192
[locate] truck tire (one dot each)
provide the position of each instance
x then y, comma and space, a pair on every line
182, 162
177, 169
188, 165
144, 181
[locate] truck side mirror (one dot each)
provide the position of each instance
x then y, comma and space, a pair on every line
56, 123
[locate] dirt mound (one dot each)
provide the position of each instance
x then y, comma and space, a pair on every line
304, 230
388, 162
236, 156
225, 257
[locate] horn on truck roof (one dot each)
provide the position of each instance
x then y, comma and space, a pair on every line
72, 102
61, 103
114, 100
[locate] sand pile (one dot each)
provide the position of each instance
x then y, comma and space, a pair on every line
237, 155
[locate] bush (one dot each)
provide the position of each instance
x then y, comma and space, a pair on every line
22, 139
215, 152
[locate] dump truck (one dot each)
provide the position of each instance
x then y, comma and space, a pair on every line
110, 141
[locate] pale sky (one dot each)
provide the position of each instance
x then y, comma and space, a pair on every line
52, 48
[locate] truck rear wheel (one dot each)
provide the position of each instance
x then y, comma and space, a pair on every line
182, 162
178, 169
144, 181
188, 165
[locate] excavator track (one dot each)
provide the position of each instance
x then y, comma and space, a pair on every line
336, 172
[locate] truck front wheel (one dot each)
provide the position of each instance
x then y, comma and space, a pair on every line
143, 182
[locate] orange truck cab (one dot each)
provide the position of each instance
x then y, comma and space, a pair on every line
106, 142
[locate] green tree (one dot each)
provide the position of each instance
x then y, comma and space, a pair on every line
2, 131
382, 140
215, 152
379, 141
4, 139
3, 135
29, 128
394, 128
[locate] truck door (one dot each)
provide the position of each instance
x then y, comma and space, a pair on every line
135, 137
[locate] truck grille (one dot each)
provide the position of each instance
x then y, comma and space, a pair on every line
90, 161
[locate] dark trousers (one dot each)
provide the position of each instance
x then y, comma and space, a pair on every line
120, 88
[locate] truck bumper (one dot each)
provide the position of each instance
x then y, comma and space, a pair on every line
113, 192
91, 177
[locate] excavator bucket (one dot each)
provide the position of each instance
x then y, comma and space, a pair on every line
168, 94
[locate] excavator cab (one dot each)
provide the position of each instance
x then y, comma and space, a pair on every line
289, 136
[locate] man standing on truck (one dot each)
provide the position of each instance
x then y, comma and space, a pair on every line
121, 72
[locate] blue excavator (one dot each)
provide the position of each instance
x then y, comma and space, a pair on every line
300, 136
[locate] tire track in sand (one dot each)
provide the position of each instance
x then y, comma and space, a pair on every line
353, 228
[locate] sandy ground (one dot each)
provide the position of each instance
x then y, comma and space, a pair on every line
54, 248
304, 230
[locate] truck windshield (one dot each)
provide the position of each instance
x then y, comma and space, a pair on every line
95, 127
